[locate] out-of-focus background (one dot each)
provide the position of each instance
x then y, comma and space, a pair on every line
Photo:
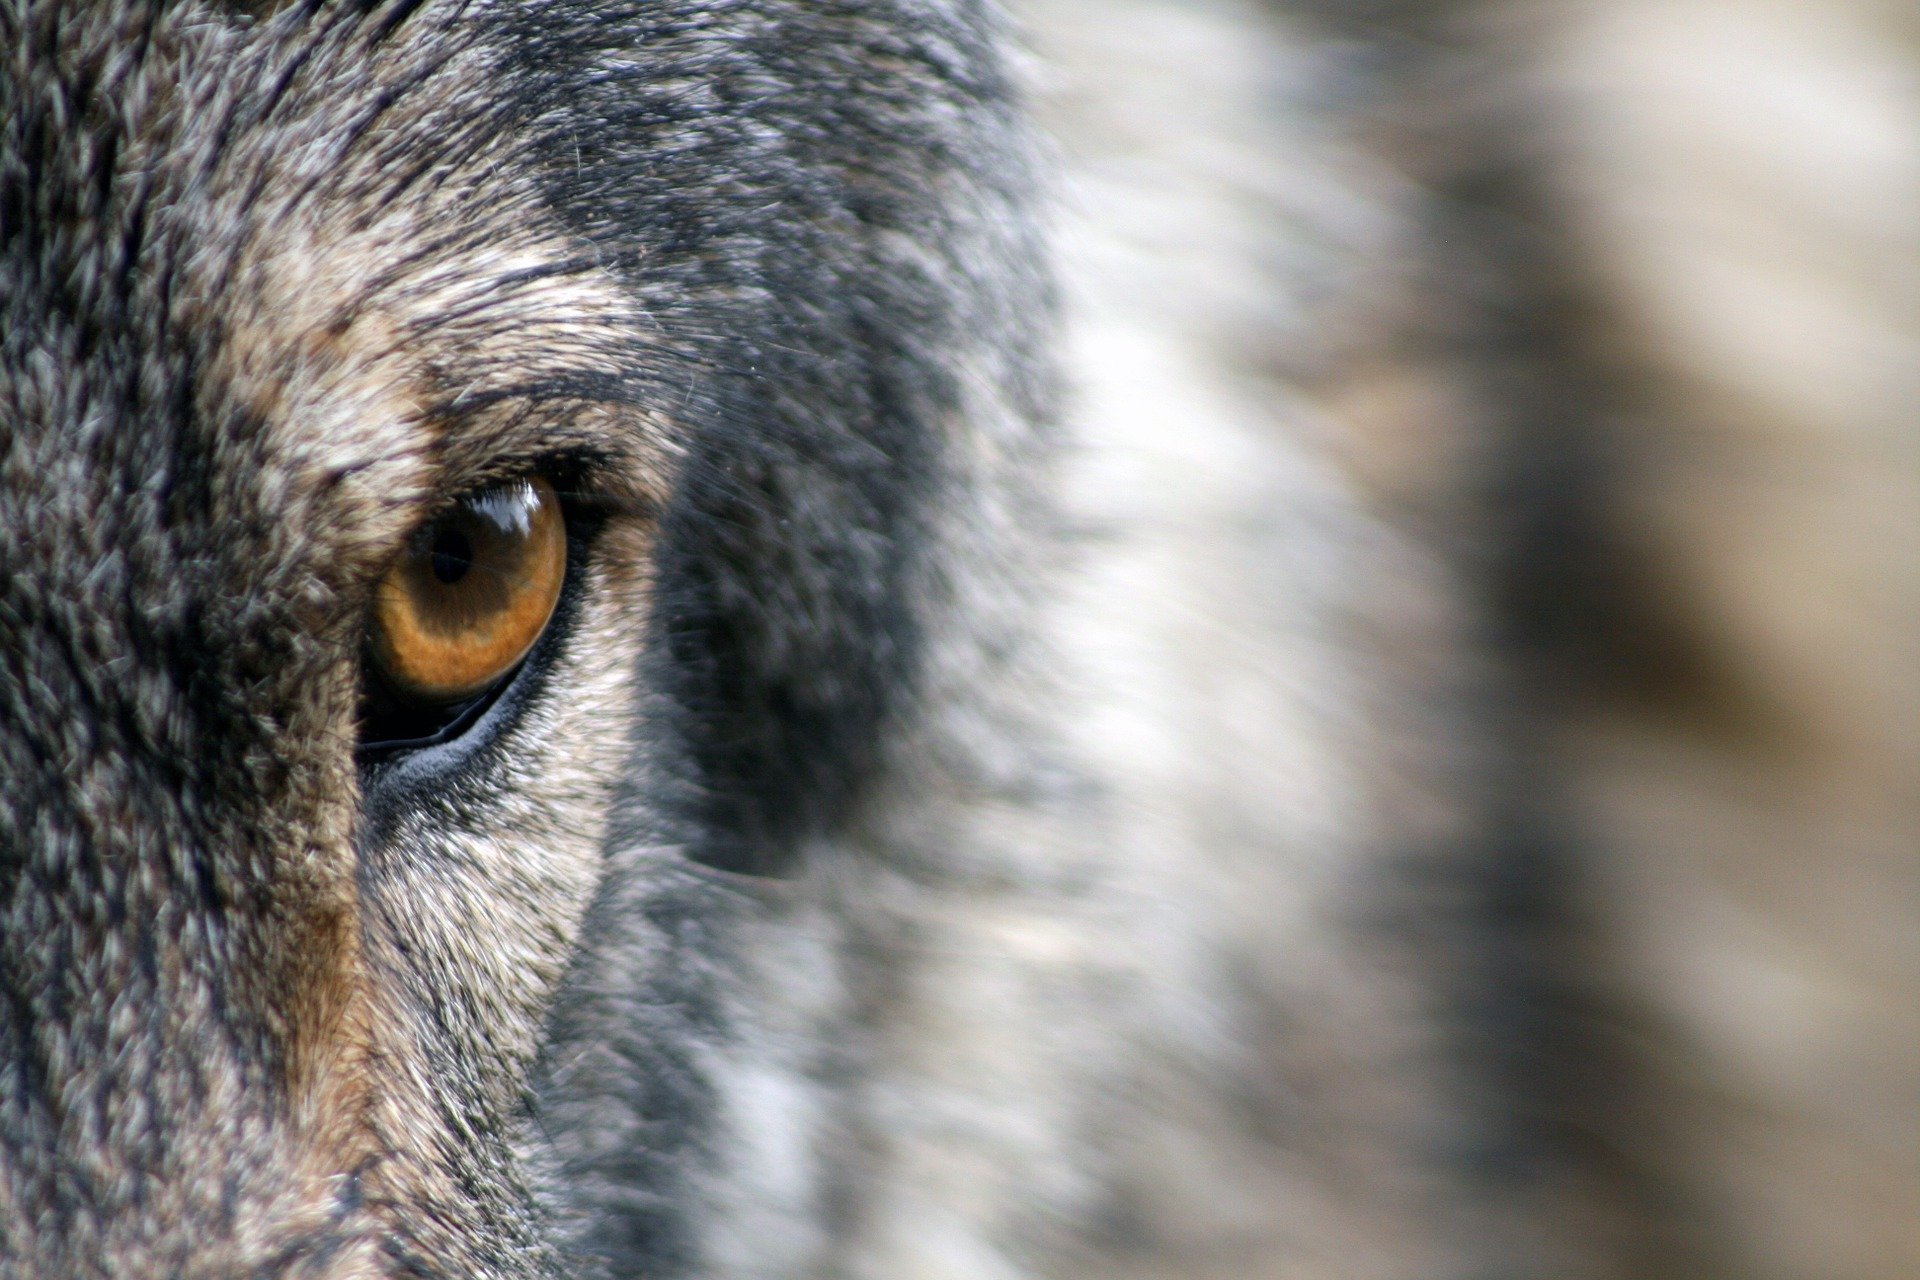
1675, 272
1612, 307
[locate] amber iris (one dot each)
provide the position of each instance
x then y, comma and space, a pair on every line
471, 593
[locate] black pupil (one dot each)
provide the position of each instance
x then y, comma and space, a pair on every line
452, 555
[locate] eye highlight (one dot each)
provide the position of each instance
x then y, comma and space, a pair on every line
470, 594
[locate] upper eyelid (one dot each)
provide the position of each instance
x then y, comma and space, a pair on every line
579, 480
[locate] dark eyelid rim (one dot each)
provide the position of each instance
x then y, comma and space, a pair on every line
470, 711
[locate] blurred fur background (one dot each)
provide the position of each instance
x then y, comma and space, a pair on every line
1614, 307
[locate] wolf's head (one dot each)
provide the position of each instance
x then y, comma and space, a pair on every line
337, 343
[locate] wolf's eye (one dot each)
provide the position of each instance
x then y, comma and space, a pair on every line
470, 594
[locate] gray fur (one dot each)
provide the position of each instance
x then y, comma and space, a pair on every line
1048, 763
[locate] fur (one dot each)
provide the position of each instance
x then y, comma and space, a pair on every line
1163, 666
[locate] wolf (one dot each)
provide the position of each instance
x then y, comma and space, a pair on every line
802, 638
